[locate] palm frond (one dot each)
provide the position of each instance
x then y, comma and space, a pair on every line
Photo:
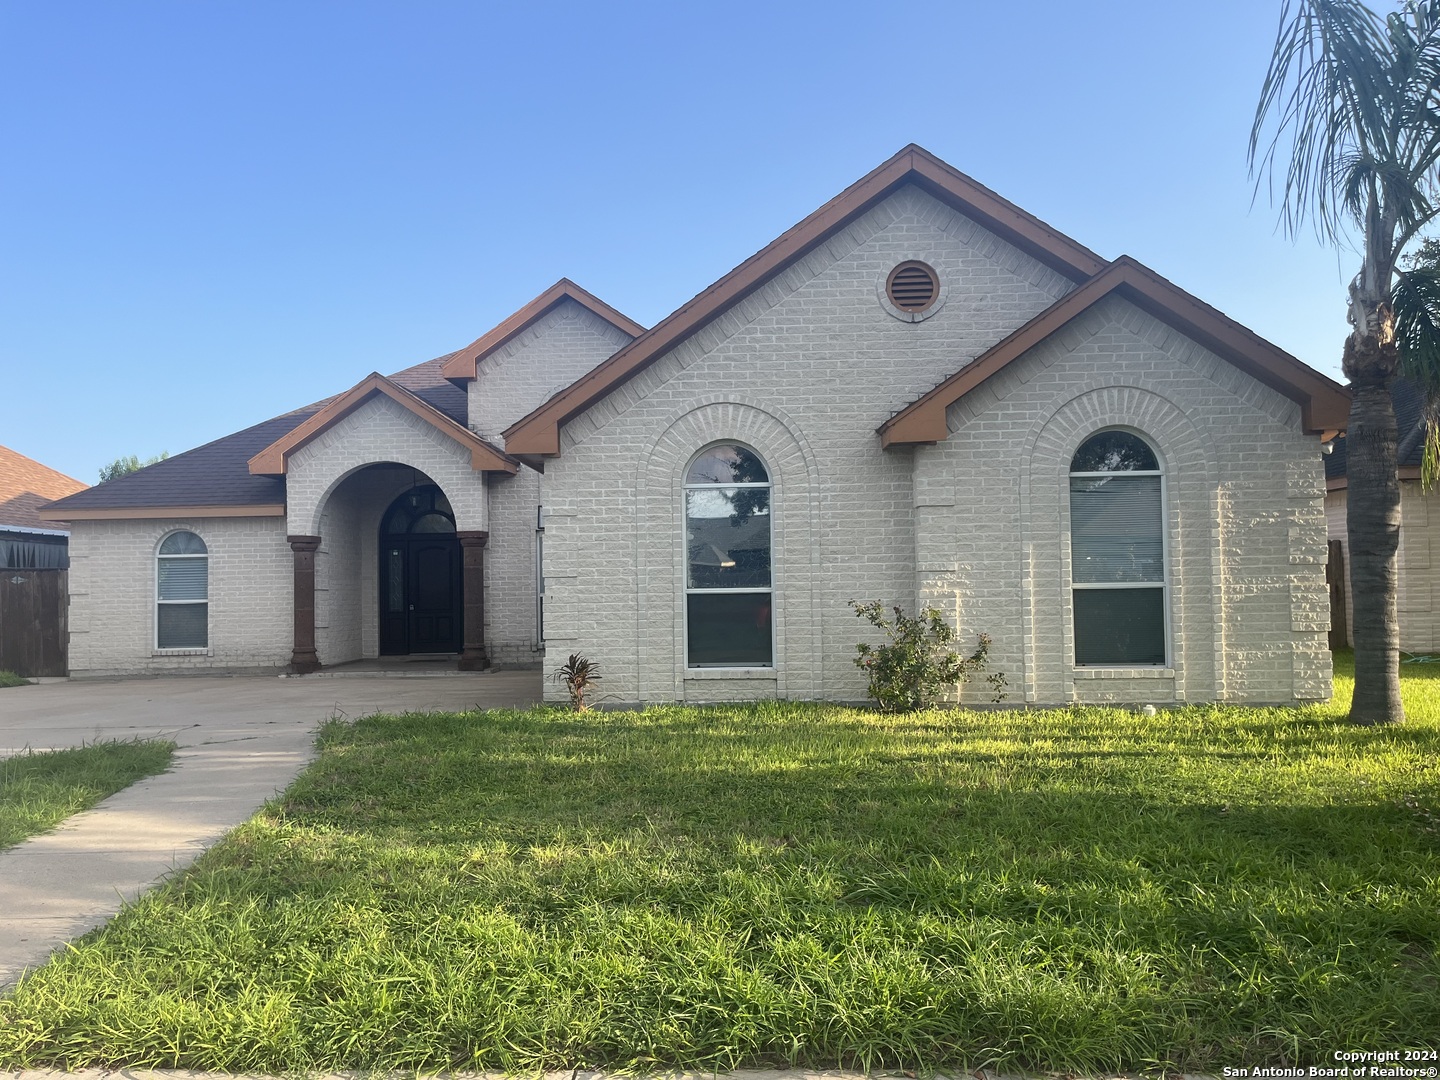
1326, 96
1416, 299
1430, 457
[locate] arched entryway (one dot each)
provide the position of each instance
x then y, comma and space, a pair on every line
422, 598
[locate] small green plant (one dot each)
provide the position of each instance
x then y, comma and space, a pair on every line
9, 678
917, 662
579, 674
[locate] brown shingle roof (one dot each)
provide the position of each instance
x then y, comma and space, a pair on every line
274, 460
25, 486
1409, 422
218, 473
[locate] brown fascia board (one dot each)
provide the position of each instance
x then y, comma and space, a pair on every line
123, 513
461, 367
539, 432
1324, 403
1341, 483
274, 460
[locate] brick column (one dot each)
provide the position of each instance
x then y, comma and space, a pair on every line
303, 657
472, 554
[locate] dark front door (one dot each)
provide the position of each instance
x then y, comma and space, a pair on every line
421, 586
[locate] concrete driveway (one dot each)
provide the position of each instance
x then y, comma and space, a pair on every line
240, 740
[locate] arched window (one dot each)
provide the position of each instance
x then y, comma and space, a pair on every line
182, 593
1117, 551
728, 597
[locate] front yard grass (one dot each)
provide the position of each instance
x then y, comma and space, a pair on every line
1085, 890
40, 790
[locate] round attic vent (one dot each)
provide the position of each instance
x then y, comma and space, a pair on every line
912, 287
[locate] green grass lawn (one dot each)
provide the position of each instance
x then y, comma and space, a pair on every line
1082, 890
38, 791
9, 678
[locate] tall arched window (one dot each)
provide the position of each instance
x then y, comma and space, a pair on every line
182, 593
1117, 551
728, 597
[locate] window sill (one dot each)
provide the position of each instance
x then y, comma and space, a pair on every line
730, 673
182, 652
1123, 672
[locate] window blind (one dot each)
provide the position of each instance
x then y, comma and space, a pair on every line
1116, 529
183, 579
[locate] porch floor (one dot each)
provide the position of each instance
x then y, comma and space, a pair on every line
414, 666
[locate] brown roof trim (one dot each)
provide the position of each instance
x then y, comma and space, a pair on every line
274, 460
1324, 403
461, 365
122, 513
1340, 483
539, 432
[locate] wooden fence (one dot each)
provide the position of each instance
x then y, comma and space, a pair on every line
33, 632
1335, 578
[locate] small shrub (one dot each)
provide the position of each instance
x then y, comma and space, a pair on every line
9, 678
916, 663
579, 674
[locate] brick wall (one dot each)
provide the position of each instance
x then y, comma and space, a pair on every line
378, 432
338, 487
546, 358
805, 369
1243, 503
112, 596
510, 617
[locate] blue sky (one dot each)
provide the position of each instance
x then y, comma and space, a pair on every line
212, 213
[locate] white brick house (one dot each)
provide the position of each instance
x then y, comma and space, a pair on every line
919, 394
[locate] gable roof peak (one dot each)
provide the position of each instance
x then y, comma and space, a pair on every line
274, 460
538, 434
1324, 403
462, 365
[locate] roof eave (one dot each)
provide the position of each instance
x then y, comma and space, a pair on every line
538, 432
148, 513
461, 367
1324, 403
274, 460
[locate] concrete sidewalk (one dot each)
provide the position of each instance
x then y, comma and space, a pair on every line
240, 740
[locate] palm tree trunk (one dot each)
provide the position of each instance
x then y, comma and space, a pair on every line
1373, 527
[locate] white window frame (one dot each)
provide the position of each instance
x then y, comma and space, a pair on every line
1163, 584
703, 670
201, 650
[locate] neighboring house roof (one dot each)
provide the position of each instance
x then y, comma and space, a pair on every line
1324, 403
538, 434
214, 480
460, 366
1410, 424
274, 460
25, 486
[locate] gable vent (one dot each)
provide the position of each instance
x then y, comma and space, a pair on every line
912, 286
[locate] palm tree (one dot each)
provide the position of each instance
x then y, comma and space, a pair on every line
1349, 116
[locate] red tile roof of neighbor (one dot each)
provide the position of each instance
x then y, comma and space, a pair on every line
25, 486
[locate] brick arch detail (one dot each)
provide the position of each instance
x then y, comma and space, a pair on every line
659, 540
1194, 538
380, 433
